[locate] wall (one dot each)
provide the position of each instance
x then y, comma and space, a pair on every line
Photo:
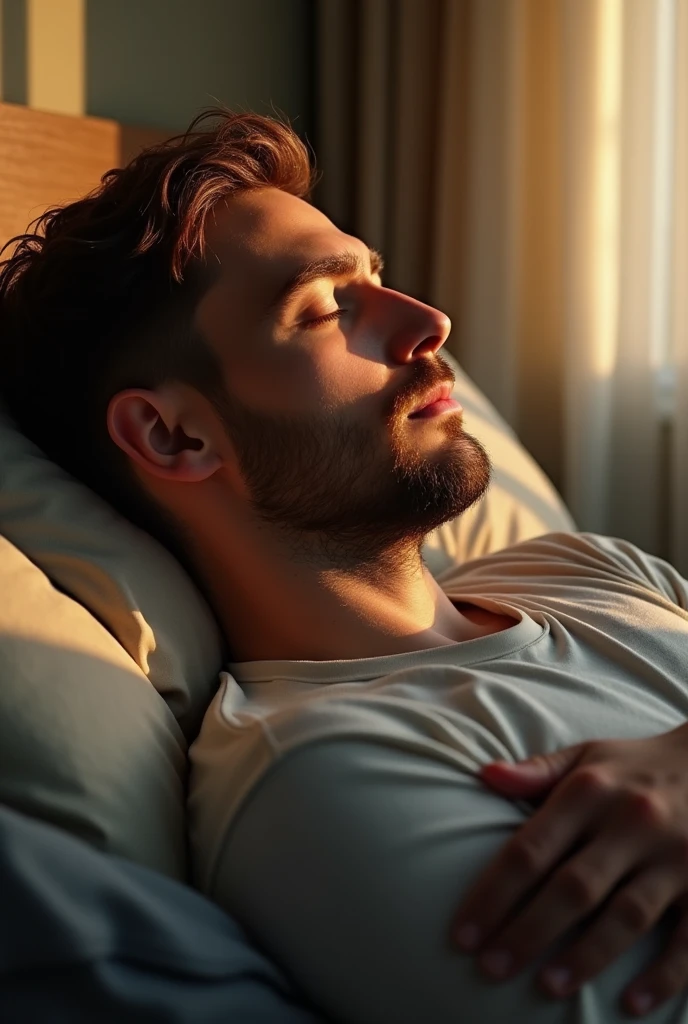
158, 62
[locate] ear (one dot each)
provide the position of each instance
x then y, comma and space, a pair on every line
163, 434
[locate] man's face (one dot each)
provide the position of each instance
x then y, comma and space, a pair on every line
317, 412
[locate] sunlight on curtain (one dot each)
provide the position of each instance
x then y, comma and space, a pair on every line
567, 286
591, 71
619, 274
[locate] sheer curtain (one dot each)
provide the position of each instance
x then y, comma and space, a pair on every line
523, 166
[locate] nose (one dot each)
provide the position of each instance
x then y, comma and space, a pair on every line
414, 329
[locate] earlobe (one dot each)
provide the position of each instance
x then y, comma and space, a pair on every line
145, 425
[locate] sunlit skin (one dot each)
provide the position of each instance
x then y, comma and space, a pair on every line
307, 496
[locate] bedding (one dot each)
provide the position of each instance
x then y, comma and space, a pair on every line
125, 578
86, 937
86, 742
109, 657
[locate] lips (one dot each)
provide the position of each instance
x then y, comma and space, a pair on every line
436, 394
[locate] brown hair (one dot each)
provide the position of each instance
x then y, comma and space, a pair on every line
99, 294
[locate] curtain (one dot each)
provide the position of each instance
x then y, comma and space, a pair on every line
522, 165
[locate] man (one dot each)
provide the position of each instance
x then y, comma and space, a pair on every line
212, 354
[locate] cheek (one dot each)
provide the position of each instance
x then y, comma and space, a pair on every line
347, 388
298, 379
279, 381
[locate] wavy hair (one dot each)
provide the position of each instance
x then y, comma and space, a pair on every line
98, 295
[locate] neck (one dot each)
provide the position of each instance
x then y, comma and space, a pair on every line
278, 599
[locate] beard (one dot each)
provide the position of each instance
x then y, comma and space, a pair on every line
348, 495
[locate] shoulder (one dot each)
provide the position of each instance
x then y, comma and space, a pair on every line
573, 556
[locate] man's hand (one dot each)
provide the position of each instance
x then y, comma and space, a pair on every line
615, 815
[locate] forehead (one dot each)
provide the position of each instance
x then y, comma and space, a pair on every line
256, 240
262, 222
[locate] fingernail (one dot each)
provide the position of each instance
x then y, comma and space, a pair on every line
641, 1001
498, 962
467, 936
557, 978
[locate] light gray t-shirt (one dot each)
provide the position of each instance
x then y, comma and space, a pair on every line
334, 805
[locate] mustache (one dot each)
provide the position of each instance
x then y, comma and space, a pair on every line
428, 373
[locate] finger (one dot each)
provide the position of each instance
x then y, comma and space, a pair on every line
629, 914
666, 976
573, 892
534, 775
581, 884
530, 855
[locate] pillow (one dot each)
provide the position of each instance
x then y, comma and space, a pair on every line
109, 655
109, 658
129, 581
520, 502
86, 743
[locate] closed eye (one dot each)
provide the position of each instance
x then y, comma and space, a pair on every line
328, 317
334, 315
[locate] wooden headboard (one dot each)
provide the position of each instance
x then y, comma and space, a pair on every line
49, 159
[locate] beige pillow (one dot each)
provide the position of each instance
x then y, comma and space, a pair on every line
129, 581
520, 502
109, 658
86, 743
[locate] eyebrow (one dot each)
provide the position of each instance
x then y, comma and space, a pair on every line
343, 264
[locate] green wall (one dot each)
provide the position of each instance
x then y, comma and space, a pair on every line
158, 62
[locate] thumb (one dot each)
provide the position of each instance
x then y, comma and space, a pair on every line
533, 776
